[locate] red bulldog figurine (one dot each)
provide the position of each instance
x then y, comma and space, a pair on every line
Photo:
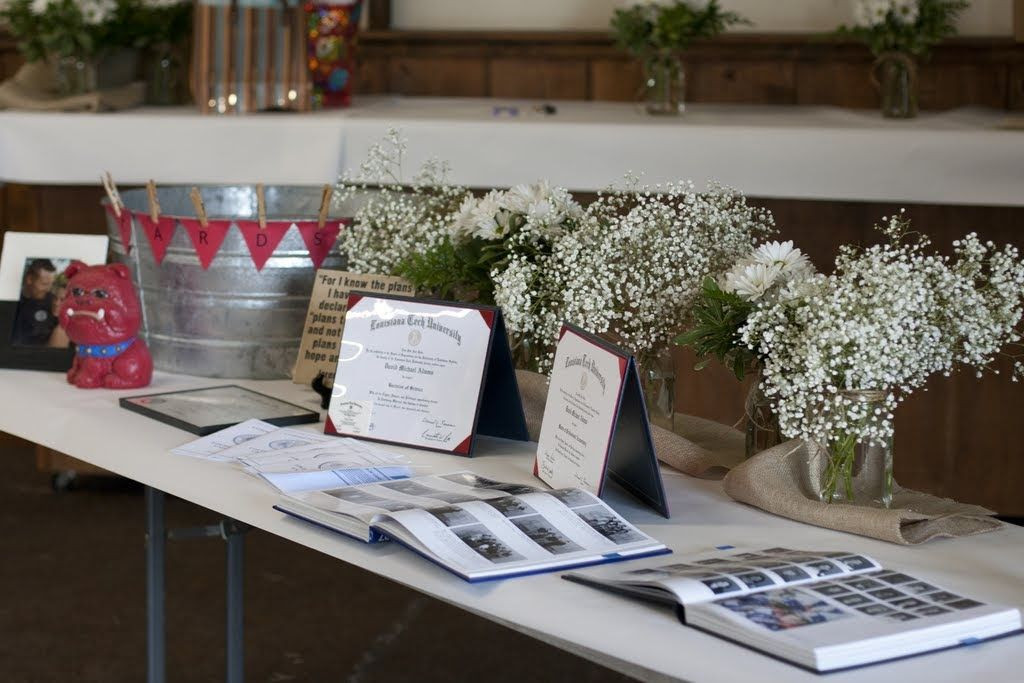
101, 314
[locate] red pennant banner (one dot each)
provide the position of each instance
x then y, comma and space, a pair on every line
262, 241
159, 234
124, 226
319, 241
206, 240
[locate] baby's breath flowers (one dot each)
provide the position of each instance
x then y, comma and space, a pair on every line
889, 317
632, 268
396, 220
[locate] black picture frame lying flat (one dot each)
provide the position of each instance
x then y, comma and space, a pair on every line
17, 357
229, 404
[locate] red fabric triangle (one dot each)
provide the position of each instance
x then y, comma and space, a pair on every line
262, 241
463, 447
206, 241
124, 226
329, 427
159, 234
319, 241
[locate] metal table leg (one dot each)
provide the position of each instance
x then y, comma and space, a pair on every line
235, 538
156, 670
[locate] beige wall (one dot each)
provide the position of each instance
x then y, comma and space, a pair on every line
985, 17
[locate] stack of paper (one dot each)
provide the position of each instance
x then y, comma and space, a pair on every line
294, 460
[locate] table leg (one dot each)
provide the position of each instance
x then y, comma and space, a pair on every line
156, 671
235, 602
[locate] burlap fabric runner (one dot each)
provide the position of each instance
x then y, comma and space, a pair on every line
34, 87
708, 447
782, 480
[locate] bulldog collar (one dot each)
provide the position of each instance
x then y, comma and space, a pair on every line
104, 350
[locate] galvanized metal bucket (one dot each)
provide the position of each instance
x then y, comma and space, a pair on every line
230, 320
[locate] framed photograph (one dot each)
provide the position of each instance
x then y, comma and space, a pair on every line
32, 286
205, 411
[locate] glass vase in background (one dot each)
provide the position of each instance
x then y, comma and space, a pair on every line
658, 380
856, 471
664, 84
895, 76
762, 430
75, 76
165, 76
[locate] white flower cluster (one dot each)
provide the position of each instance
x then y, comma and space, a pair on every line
395, 220
538, 210
633, 268
888, 318
94, 12
871, 13
768, 272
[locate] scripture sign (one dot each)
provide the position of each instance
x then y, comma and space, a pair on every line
595, 422
424, 374
321, 336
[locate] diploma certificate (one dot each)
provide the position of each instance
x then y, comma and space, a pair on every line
582, 405
411, 372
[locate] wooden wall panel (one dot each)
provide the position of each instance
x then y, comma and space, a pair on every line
824, 82
616, 80
538, 78
428, 76
741, 81
946, 86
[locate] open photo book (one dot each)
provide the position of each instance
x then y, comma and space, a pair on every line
476, 527
822, 611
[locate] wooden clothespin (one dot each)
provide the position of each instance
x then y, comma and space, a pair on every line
261, 206
325, 205
197, 202
112, 193
154, 205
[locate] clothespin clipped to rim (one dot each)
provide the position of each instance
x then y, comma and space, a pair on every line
261, 206
197, 202
325, 205
154, 205
112, 193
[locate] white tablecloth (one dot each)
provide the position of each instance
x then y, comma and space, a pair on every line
957, 157
640, 639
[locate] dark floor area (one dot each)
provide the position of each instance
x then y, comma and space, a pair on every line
72, 602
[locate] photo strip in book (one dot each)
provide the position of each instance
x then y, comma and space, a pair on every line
428, 374
821, 611
595, 424
477, 527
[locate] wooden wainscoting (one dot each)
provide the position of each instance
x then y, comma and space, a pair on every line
737, 68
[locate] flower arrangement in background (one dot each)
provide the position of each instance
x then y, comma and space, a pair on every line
897, 32
66, 28
659, 27
657, 32
77, 36
912, 27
